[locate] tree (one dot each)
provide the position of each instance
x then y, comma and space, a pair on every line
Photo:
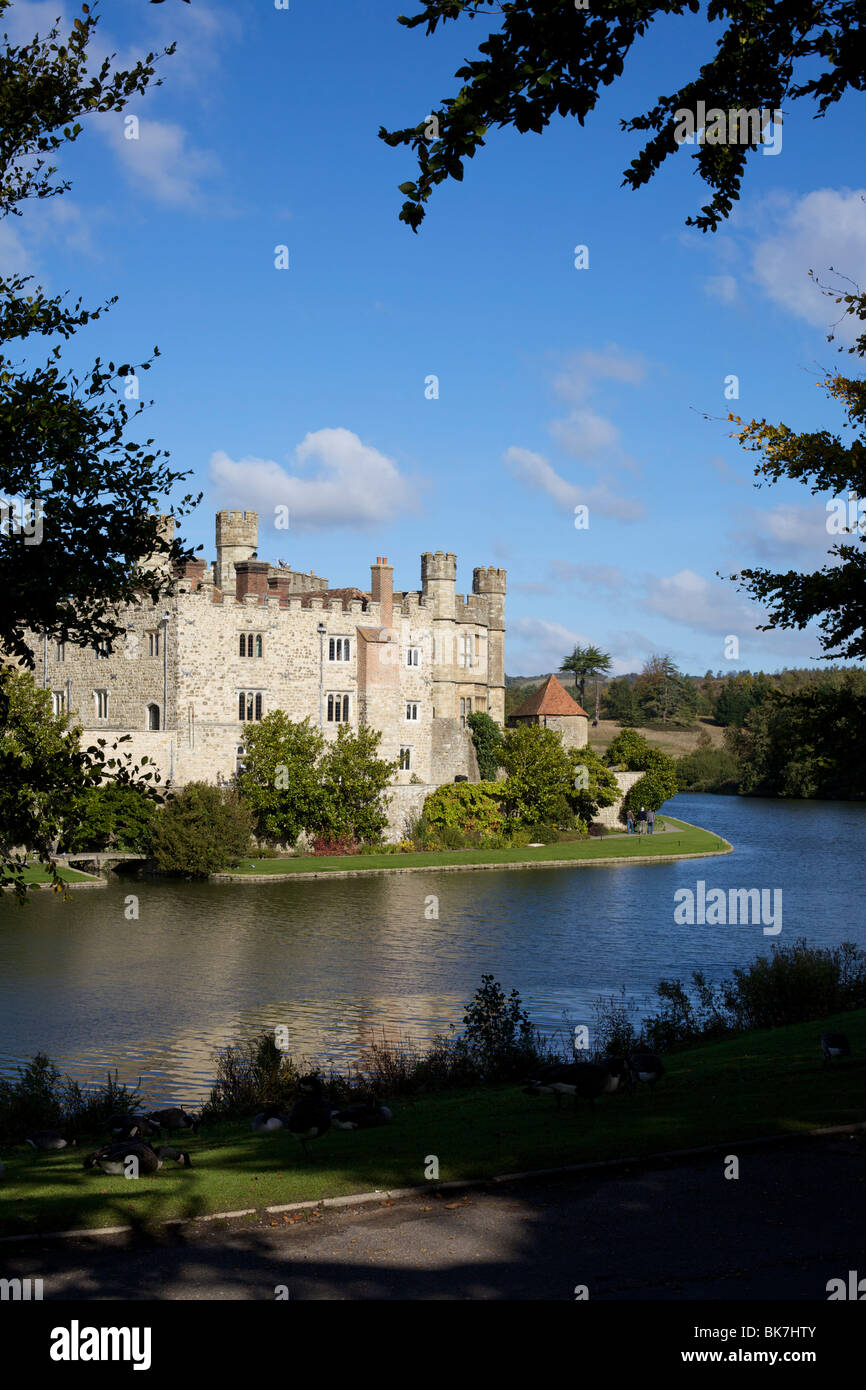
80, 499
113, 816
620, 703
806, 743
280, 780
354, 779
836, 594
586, 662
656, 786
540, 779
592, 784
664, 694
629, 751
487, 737
46, 777
734, 701
543, 58
200, 830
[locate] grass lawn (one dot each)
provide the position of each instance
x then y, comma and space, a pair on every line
767, 1082
676, 742
36, 874
679, 838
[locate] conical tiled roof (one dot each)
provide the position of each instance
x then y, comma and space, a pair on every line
552, 698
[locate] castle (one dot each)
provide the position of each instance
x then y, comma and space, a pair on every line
240, 638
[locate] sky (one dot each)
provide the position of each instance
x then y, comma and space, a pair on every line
308, 387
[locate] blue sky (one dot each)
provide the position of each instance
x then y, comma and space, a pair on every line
557, 387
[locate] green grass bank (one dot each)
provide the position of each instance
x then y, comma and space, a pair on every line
767, 1082
679, 840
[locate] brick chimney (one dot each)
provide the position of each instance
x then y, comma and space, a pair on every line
252, 578
382, 588
280, 585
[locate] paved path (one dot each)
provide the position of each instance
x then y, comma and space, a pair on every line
793, 1220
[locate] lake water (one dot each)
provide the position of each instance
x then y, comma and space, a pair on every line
339, 961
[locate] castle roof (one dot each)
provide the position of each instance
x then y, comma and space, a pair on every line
345, 595
551, 699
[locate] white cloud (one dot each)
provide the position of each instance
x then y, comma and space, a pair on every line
353, 484
15, 257
788, 534
708, 606
822, 229
537, 472
535, 645
161, 162
724, 288
584, 432
582, 372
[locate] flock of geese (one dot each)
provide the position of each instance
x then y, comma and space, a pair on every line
588, 1080
311, 1115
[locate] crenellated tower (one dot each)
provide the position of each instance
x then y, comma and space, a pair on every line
237, 539
489, 582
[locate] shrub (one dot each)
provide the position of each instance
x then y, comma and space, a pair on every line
250, 1073
200, 830
708, 770
41, 1098
487, 737
498, 1034
546, 833
460, 807
333, 845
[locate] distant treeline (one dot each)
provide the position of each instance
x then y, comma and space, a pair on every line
793, 733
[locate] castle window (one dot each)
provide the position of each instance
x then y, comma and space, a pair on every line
100, 700
153, 716
58, 701
339, 649
243, 644
60, 651
249, 705
338, 709
153, 643
240, 762
413, 656
251, 644
259, 647
101, 649
412, 710
464, 649
465, 709
405, 759
477, 649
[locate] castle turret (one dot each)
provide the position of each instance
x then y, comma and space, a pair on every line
489, 582
439, 581
159, 560
237, 538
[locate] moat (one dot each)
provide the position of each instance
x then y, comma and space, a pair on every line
340, 961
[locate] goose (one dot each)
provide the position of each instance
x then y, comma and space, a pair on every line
130, 1126
174, 1119
45, 1139
583, 1080
834, 1045
268, 1121
646, 1067
114, 1158
362, 1116
310, 1116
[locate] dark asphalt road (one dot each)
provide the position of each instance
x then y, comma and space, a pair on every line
792, 1220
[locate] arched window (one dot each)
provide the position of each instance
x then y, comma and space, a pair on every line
153, 716
243, 644
258, 644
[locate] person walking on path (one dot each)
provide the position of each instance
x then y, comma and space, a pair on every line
650, 820
629, 820
641, 821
